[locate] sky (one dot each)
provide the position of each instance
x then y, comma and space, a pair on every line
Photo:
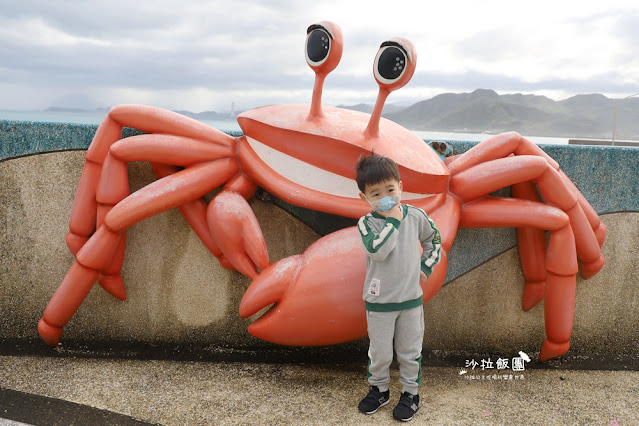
211, 55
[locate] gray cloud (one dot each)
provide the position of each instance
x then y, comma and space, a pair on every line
99, 52
165, 51
490, 45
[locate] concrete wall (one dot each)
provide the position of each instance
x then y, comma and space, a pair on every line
178, 292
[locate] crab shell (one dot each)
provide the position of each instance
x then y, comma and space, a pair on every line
311, 162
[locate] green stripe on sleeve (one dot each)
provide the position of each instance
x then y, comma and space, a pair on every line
374, 242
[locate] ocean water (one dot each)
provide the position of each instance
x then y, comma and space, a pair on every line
96, 117
478, 137
88, 117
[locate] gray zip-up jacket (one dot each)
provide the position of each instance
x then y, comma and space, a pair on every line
392, 258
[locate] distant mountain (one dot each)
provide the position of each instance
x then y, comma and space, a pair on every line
207, 115
485, 111
388, 108
587, 116
75, 110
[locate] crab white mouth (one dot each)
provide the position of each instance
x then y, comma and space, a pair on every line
310, 176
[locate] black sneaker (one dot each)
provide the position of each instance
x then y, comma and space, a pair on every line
407, 406
373, 400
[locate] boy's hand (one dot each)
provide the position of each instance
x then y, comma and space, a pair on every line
422, 277
396, 212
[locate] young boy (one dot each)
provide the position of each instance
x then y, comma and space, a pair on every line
392, 290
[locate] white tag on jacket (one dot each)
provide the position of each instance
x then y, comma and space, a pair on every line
374, 287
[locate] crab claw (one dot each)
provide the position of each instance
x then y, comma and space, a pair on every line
317, 295
237, 233
270, 286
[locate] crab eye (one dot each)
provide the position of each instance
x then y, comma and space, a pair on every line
324, 45
394, 63
318, 45
391, 63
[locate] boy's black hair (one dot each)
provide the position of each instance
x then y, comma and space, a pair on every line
375, 169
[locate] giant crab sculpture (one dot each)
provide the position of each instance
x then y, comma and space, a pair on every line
306, 157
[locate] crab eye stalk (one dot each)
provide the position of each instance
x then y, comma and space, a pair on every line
324, 45
394, 66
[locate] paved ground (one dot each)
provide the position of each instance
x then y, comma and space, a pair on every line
68, 388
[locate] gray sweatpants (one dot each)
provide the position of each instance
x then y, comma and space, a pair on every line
406, 330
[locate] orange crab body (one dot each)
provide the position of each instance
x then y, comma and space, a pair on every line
306, 156
316, 157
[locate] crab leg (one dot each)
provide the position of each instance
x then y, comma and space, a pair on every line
114, 181
561, 260
559, 293
498, 146
505, 144
111, 278
592, 218
115, 172
148, 119
484, 178
230, 221
82, 222
532, 251
194, 212
172, 191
